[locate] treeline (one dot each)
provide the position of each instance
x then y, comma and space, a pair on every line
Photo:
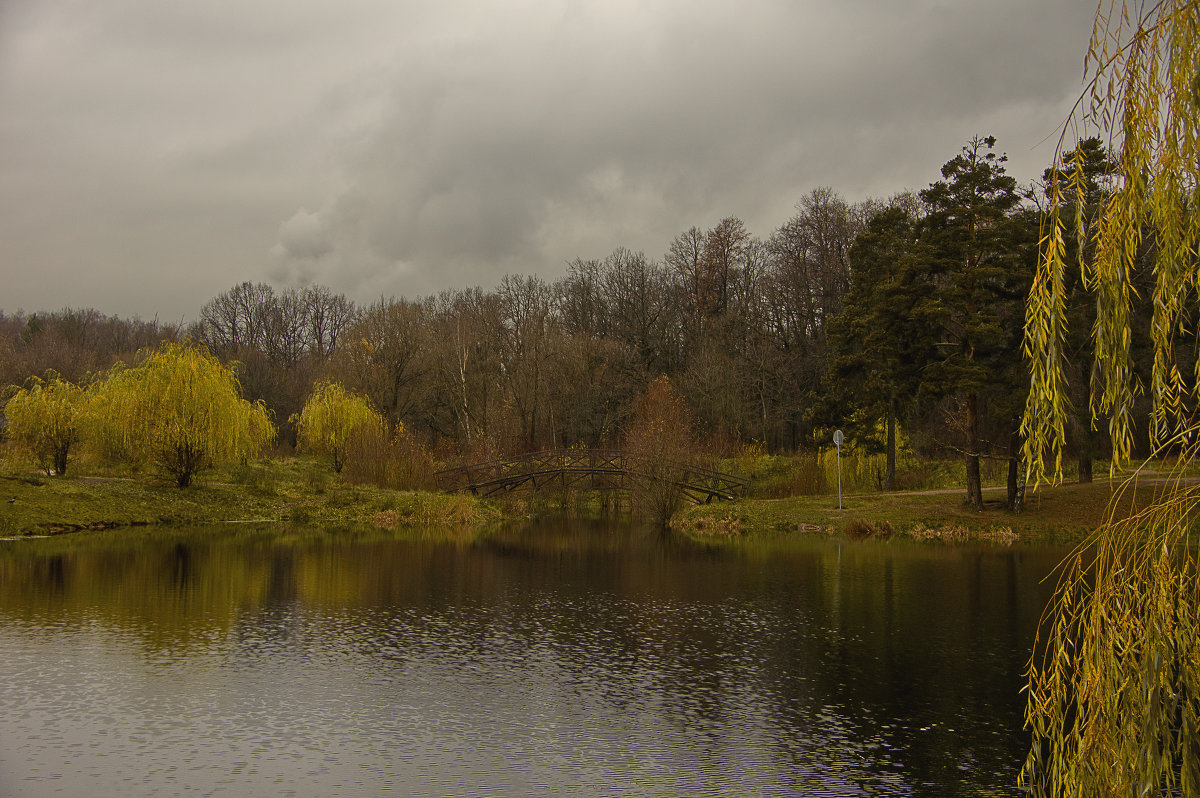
863, 316
737, 323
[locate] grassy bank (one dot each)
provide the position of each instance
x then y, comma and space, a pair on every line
303, 492
1060, 514
295, 491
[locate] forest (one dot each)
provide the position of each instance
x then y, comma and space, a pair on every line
891, 319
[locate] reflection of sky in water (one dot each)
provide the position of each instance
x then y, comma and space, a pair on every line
869, 674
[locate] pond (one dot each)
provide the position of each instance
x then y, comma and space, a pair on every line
578, 659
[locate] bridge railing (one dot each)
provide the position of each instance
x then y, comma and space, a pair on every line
593, 469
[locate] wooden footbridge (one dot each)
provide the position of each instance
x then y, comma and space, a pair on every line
586, 469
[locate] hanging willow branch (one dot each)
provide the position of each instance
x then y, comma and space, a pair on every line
1114, 694
1145, 90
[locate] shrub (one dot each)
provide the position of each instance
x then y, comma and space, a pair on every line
399, 462
859, 529
660, 443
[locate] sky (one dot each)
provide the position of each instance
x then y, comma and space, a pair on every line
155, 154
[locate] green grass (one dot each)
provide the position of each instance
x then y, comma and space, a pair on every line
297, 491
1053, 514
816, 474
303, 491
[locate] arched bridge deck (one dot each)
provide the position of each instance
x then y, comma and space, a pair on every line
586, 469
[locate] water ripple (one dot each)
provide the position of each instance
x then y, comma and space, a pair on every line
476, 673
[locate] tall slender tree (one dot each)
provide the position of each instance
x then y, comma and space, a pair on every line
974, 258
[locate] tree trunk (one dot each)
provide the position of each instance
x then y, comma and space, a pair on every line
1013, 468
1011, 483
889, 476
762, 403
1016, 485
182, 462
1085, 464
974, 485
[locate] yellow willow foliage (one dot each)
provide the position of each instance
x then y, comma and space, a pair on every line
332, 417
181, 408
1145, 89
44, 419
1114, 695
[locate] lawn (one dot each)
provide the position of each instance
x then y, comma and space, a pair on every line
302, 491
1052, 513
297, 491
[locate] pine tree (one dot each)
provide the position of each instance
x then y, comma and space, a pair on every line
978, 276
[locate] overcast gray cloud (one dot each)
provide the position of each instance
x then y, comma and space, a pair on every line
154, 154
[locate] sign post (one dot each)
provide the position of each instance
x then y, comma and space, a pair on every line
838, 437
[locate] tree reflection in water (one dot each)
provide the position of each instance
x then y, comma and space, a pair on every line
595, 659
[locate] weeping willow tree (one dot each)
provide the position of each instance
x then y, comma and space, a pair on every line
180, 408
333, 418
1114, 694
44, 420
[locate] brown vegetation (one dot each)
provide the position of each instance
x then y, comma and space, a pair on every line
660, 444
398, 461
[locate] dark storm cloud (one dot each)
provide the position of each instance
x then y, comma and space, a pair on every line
405, 148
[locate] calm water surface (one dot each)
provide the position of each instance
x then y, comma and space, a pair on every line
583, 660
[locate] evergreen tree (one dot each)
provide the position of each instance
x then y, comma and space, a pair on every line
883, 339
978, 283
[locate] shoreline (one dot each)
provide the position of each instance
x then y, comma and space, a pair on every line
304, 492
